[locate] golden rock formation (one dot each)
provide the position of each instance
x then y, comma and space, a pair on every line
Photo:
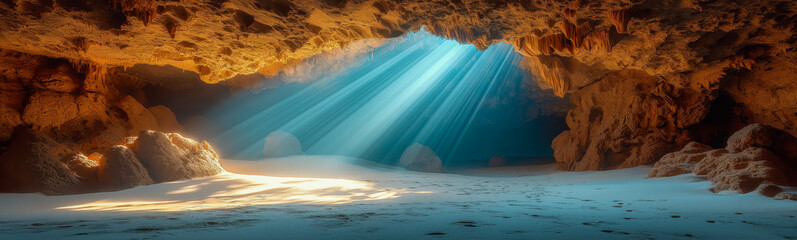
620, 19
665, 72
757, 157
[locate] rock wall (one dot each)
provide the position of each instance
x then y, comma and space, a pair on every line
85, 108
626, 119
55, 112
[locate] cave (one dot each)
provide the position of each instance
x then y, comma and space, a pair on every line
461, 119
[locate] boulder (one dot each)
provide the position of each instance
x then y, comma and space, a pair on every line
743, 171
418, 157
786, 196
139, 117
120, 169
783, 144
48, 109
83, 166
170, 157
681, 162
281, 144
748, 163
32, 163
769, 190
167, 121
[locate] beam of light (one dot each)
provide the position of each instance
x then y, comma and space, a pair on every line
229, 190
420, 88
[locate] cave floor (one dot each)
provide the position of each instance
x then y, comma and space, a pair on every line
329, 197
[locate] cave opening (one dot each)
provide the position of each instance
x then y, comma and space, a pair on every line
375, 99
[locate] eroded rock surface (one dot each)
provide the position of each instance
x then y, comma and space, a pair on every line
37, 163
626, 119
121, 169
32, 163
83, 107
170, 157
748, 163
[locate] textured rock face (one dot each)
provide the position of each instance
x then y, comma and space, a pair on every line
83, 166
85, 108
121, 169
281, 144
33, 164
36, 163
166, 119
746, 164
170, 157
639, 123
220, 39
418, 157
762, 136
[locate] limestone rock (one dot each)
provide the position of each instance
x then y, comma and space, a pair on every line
59, 79
195, 36
32, 163
167, 121
9, 119
745, 165
786, 196
140, 118
84, 167
754, 135
170, 157
418, 157
735, 171
769, 190
626, 119
50, 109
681, 162
93, 106
120, 169
743, 171
281, 144
765, 92
783, 144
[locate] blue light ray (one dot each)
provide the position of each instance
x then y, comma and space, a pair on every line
420, 88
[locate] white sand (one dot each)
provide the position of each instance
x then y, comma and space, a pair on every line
310, 197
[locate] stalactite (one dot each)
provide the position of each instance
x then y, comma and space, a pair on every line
569, 13
574, 33
620, 18
601, 39
144, 10
91, 70
452, 30
171, 28
553, 71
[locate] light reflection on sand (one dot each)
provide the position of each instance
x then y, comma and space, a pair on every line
229, 190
